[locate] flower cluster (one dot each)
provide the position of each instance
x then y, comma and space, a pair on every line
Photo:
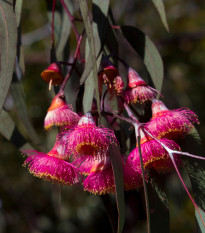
82, 154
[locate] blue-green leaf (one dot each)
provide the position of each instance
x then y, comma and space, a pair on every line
195, 169
91, 41
99, 30
159, 4
8, 41
147, 51
119, 184
11, 133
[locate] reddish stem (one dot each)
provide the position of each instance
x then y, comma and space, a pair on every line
52, 24
71, 19
73, 66
115, 26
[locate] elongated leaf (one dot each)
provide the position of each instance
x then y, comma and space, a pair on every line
159, 206
99, 29
11, 133
65, 28
8, 41
88, 93
89, 86
89, 32
16, 92
18, 9
159, 4
159, 213
157, 184
89, 90
147, 51
119, 184
195, 169
100, 23
200, 226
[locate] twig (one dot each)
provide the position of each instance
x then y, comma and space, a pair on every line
71, 20
73, 66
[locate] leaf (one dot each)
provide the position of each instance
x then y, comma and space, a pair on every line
195, 169
159, 4
89, 83
99, 29
147, 51
119, 184
64, 31
11, 133
200, 226
159, 206
90, 36
157, 184
8, 41
100, 23
17, 95
18, 9
159, 213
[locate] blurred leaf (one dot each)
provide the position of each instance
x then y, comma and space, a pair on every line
200, 226
8, 41
7, 125
159, 4
18, 9
57, 17
91, 40
159, 206
147, 51
23, 114
11, 133
159, 213
119, 184
64, 30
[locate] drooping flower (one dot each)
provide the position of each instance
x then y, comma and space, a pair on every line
53, 74
101, 178
137, 90
60, 114
172, 124
87, 139
52, 166
154, 155
110, 76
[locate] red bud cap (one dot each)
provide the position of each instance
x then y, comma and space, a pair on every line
134, 79
57, 102
53, 74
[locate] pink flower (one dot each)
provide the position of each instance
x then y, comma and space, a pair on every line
154, 155
52, 166
138, 90
87, 139
101, 179
172, 124
60, 114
